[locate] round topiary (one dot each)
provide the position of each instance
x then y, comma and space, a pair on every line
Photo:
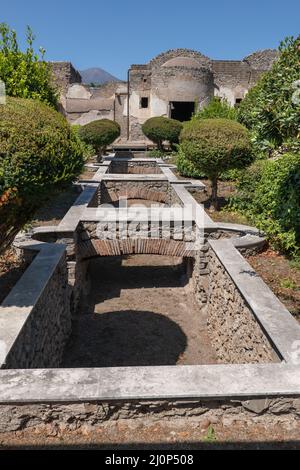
161, 128
100, 134
214, 146
38, 150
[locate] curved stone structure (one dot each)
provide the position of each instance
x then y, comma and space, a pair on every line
262, 60
179, 54
174, 84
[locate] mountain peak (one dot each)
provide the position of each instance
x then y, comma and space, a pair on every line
97, 76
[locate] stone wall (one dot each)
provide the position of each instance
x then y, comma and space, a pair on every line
179, 83
176, 75
233, 328
41, 341
59, 418
156, 191
64, 74
174, 53
262, 60
132, 237
134, 168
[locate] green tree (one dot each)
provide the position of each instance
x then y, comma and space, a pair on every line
161, 128
217, 108
269, 110
99, 134
214, 146
25, 74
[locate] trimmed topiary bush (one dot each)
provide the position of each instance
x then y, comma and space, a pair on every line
38, 151
215, 146
100, 134
268, 193
186, 167
87, 149
161, 128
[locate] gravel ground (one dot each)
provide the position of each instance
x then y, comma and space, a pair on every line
138, 312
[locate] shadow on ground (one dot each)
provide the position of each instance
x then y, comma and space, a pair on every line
257, 445
125, 338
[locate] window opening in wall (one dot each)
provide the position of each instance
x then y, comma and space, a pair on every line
144, 102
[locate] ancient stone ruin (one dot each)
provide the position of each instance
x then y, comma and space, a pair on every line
173, 84
254, 369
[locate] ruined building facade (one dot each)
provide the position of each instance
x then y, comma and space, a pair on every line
173, 84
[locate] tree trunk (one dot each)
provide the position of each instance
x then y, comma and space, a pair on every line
99, 155
214, 193
160, 145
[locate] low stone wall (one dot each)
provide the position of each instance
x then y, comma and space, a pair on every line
57, 418
34, 330
157, 191
234, 331
134, 168
123, 238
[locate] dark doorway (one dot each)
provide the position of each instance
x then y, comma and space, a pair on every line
182, 110
144, 102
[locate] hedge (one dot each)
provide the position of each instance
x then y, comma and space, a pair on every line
268, 193
38, 151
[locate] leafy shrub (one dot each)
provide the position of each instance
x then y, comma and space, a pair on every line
268, 109
25, 74
161, 128
38, 150
186, 167
155, 153
214, 146
100, 134
87, 149
217, 108
268, 193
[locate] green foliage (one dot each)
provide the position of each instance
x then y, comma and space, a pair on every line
268, 194
186, 167
99, 134
87, 149
25, 74
210, 435
217, 108
215, 146
268, 109
156, 153
295, 262
161, 128
38, 151
288, 283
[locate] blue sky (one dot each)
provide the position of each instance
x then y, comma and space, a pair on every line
113, 34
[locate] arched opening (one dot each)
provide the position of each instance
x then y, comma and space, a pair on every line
133, 246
